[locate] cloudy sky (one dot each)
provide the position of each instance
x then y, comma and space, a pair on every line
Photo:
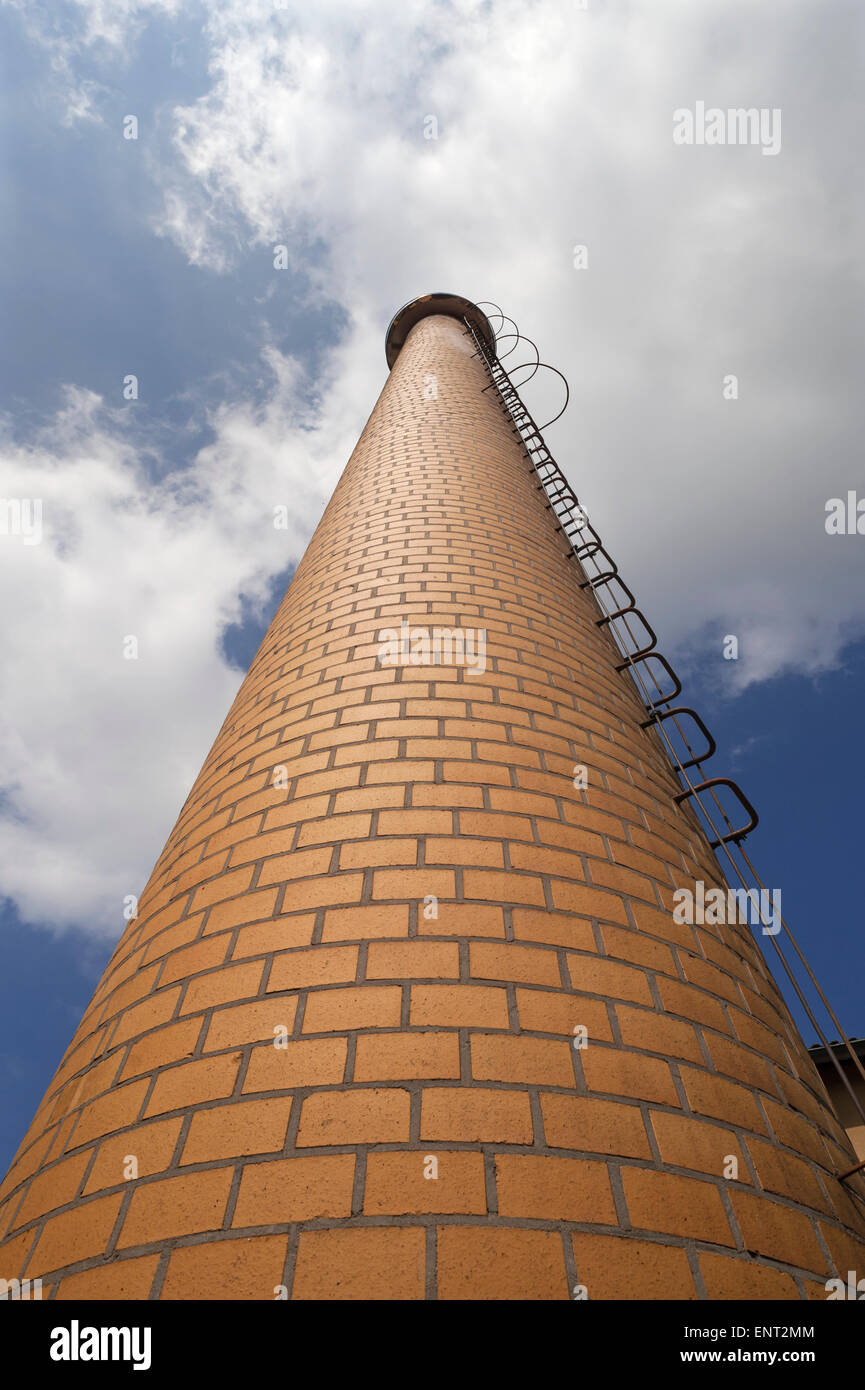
271, 123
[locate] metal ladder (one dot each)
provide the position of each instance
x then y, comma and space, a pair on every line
637, 651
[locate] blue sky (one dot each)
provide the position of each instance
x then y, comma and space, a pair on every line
264, 125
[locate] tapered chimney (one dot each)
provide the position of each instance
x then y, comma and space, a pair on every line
406, 1011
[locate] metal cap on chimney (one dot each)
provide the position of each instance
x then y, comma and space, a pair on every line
440, 303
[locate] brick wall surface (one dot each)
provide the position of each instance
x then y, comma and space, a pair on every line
286, 1036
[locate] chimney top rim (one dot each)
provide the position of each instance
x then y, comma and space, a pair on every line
452, 305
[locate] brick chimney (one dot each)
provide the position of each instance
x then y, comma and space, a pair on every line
405, 1012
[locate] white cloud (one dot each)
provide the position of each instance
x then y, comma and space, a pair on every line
92, 773
555, 129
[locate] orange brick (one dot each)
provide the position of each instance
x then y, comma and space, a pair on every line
406, 960
374, 710
151, 1145
651, 921
198, 873
93, 1082
609, 1267
319, 965
309, 1062
210, 1078
397, 1185
32, 1154
499, 827
740, 1062
847, 1251
354, 1117
407, 1057
788, 1176
173, 1207
651, 864
228, 885
685, 1142
379, 709
298, 809
281, 934
15, 1254
202, 955
569, 837
633, 946
459, 1006
589, 1125
252, 907
463, 919
333, 829
150, 1013
52, 1188
529, 1061
795, 1131
554, 1189
743, 1278
163, 1045
542, 1011
559, 863
112, 1111
150, 922
437, 709
312, 782
482, 1262
463, 850
295, 1189
233, 1027
677, 1206
589, 902
119, 1279
366, 1006
470, 1114
535, 965
364, 1263
413, 883
623, 881
367, 799
694, 1004
415, 822
250, 1268
167, 942
521, 802
235, 982
777, 1231
799, 1097
287, 868
723, 1100
654, 1032
337, 738
74, 1235
446, 795
315, 892
362, 923
243, 1127
490, 886
594, 975
709, 977
406, 770
619, 1073
368, 854
553, 929
754, 1034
